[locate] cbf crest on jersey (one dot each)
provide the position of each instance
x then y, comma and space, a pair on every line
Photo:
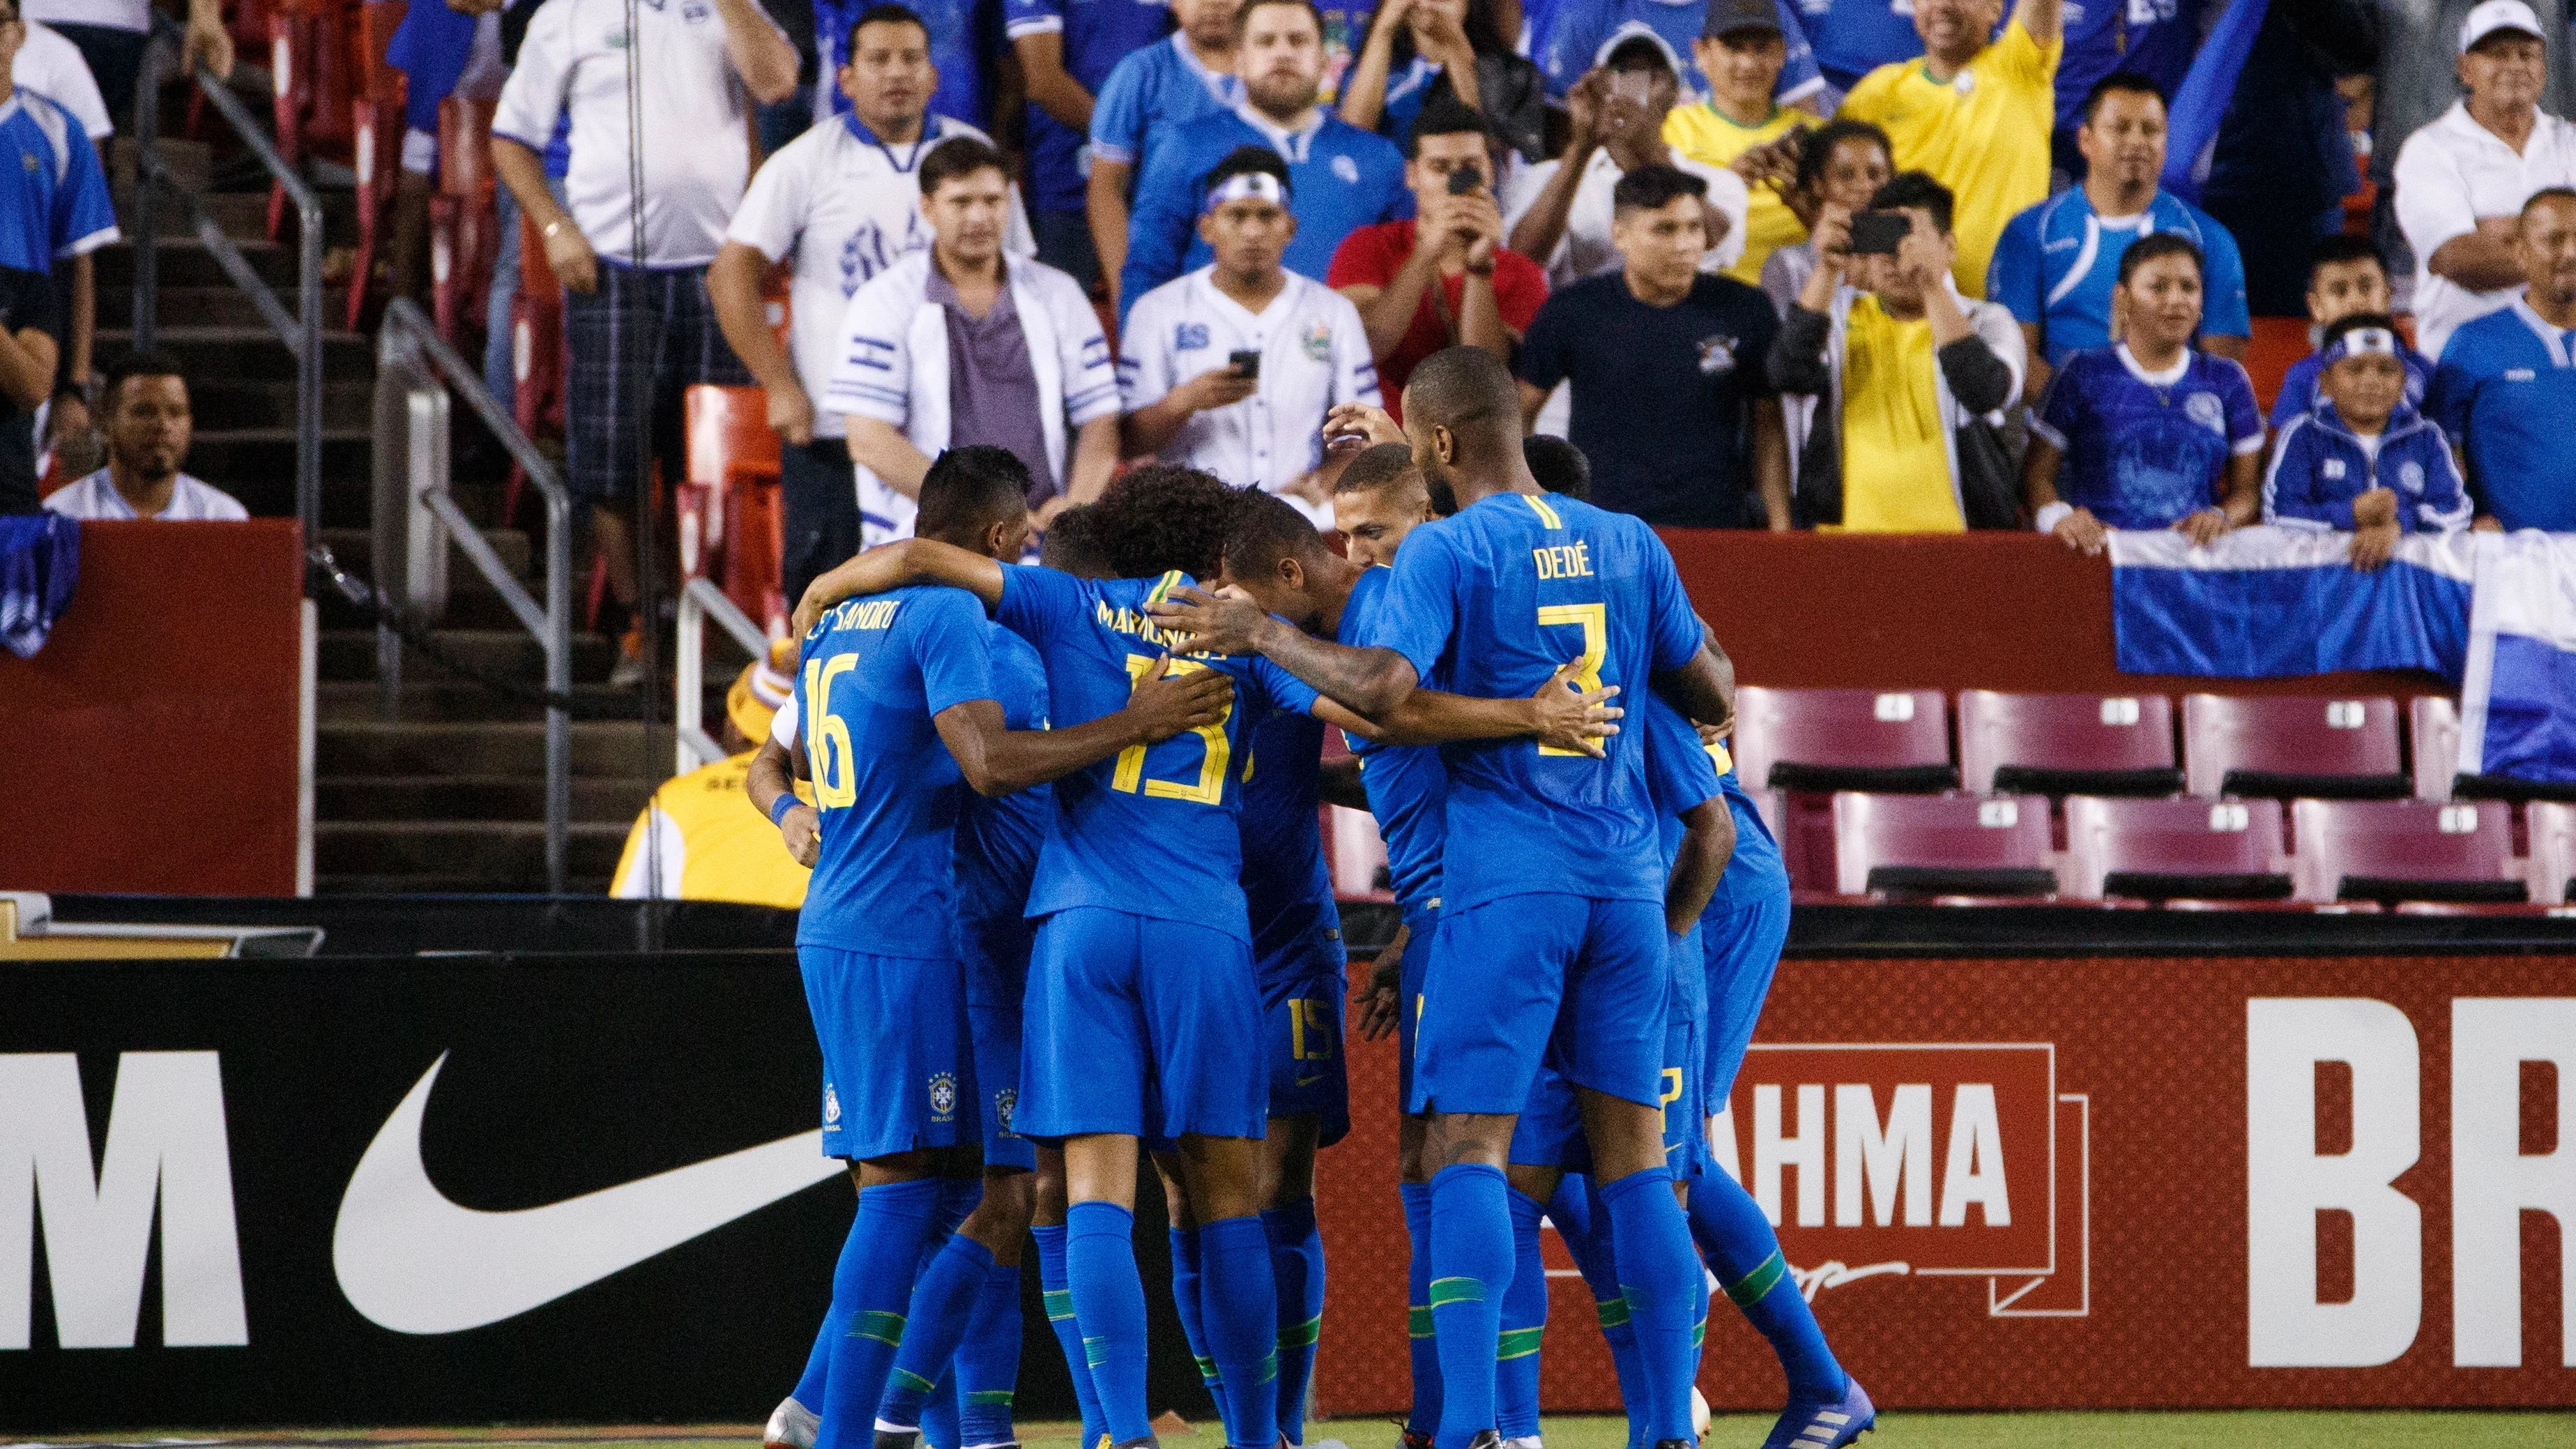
943, 1096
831, 1104
1716, 355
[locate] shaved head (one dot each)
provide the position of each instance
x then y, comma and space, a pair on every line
1462, 413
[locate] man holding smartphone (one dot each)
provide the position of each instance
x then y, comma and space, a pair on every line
1231, 368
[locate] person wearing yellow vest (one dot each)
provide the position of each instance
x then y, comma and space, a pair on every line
712, 845
1974, 113
1741, 50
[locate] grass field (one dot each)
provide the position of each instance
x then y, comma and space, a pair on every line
2267, 1430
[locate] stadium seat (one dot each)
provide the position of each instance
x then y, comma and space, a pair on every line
536, 353
1931, 845
730, 514
2278, 343
462, 218
2404, 850
376, 154
2174, 849
2551, 865
2066, 744
2289, 746
1888, 741
2433, 735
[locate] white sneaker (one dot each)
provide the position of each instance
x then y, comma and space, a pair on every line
791, 1426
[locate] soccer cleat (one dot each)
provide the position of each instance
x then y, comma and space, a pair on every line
791, 1426
890, 1437
1148, 1442
1825, 1426
1413, 1439
1526, 1441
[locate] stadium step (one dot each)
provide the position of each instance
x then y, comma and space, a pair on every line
600, 748
355, 800
214, 306
336, 883
512, 653
244, 351
492, 854
185, 262
433, 696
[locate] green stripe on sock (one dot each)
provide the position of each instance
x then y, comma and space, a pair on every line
1699, 1333
1417, 1320
1269, 1368
1518, 1343
1059, 1305
1457, 1290
992, 1397
1297, 1337
883, 1327
1095, 1351
907, 1379
1613, 1311
1207, 1370
1751, 1288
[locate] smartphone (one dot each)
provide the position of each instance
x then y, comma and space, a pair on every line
1878, 233
1631, 86
1247, 364
1466, 179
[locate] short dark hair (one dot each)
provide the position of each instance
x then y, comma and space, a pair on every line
959, 156
1243, 12
2547, 193
2340, 327
1446, 115
884, 12
1162, 517
1816, 151
1653, 188
2118, 82
1072, 543
969, 489
1266, 528
1916, 189
2342, 248
1639, 51
1246, 160
1464, 389
149, 362
1558, 465
1375, 466
2160, 244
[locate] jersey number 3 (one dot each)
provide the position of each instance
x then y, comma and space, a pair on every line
1210, 788
1595, 619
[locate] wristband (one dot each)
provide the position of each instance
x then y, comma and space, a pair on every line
2051, 516
779, 807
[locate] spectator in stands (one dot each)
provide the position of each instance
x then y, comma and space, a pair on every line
1975, 114
2462, 180
1146, 100
1346, 178
1560, 209
28, 318
1231, 369
2505, 388
1743, 123
2417, 79
965, 36
1422, 50
1672, 401
957, 345
54, 68
840, 205
1443, 277
1911, 380
700, 838
500, 350
2346, 275
58, 212
1067, 52
112, 36
2282, 161
1840, 166
638, 328
2153, 39
443, 48
1582, 34
1854, 37
145, 400
2364, 462
2055, 265
2150, 432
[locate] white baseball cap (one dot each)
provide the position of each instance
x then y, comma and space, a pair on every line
2494, 15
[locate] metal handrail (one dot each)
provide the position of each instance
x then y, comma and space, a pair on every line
409, 347
301, 331
701, 600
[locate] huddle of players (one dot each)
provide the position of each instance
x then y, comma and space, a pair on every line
1591, 918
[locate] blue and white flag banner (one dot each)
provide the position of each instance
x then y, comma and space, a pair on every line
2518, 703
2264, 602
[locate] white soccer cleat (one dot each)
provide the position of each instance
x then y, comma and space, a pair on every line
1699, 1413
791, 1426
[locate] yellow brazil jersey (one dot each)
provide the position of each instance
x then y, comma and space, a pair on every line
1703, 133
1896, 469
714, 846
1984, 135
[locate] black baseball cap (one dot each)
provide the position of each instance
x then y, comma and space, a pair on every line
1725, 17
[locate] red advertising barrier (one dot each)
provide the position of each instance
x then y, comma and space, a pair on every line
2109, 1183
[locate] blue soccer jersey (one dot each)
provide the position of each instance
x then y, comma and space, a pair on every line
1755, 870
1492, 601
1150, 95
962, 33
998, 840
1288, 894
2505, 390
2144, 450
1407, 785
876, 670
2056, 264
58, 206
2153, 38
1151, 831
1098, 36
1583, 35
1679, 773
2299, 385
1854, 37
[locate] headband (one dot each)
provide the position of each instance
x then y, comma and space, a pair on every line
2362, 339
1255, 185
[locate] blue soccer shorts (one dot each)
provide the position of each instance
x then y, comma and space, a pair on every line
1304, 1027
1522, 977
1549, 1132
995, 954
1140, 1026
1742, 947
1422, 937
898, 1067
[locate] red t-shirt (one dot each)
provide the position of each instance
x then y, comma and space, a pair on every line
1372, 255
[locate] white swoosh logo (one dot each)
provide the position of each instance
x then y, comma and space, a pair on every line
414, 1262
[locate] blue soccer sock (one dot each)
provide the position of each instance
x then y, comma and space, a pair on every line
871, 1286
1659, 1275
933, 1327
988, 1362
939, 1415
1239, 1310
1471, 1269
1186, 1301
1425, 1416
836, 1321
1297, 1269
1584, 1223
1524, 1321
1744, 1253
1068, 1331
1109, 1300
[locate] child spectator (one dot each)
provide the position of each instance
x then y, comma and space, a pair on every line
2346, 276
2152, 434
2364, 462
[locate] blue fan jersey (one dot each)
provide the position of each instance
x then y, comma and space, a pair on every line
2056, 264
1854, 37
2505, 389
1288, 894
998, 840
876, 670
2299, 385
1580, 35
58, 205
1098, 35
1149, 96
1150, 831
1492, 601
2145, 451
1407, 785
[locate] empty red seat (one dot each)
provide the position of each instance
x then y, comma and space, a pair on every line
2171, 849
2289, 746
2404, 850
2066, 744
731, 522
1885, 740
1942, 845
